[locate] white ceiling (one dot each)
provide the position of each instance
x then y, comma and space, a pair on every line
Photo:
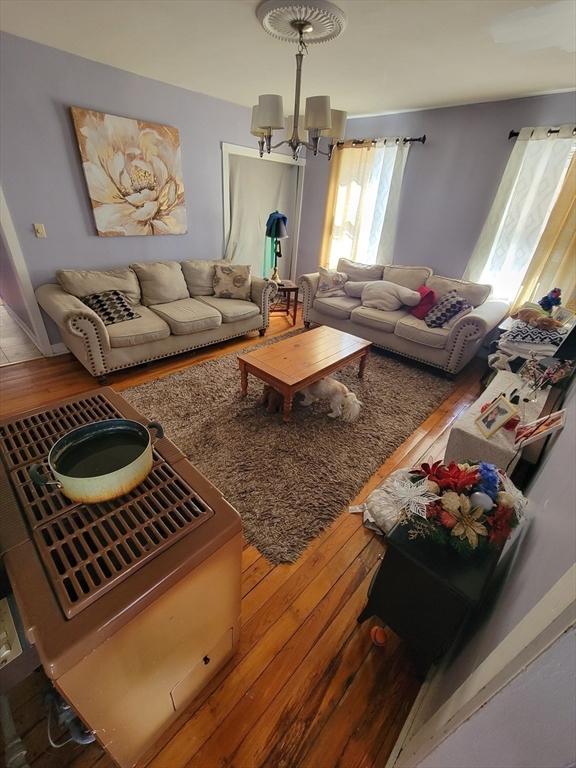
394, 55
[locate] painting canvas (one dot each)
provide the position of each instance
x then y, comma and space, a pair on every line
133, 171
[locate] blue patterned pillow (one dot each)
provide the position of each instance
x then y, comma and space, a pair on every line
447, 307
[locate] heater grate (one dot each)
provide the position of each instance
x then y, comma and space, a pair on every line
29, 438
44, 503
89, 549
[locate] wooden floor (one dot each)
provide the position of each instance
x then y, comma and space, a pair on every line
306, 688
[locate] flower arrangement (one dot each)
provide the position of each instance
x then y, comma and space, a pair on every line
466, 506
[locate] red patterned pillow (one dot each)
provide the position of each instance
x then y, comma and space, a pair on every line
426, 302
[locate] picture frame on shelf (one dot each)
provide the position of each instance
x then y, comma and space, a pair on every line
564, 315
500, 411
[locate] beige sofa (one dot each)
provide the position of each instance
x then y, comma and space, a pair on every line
177, 307
448, 348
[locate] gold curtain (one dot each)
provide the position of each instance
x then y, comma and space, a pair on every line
554, 262
335, 163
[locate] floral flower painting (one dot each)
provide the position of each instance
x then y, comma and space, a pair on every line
133, 172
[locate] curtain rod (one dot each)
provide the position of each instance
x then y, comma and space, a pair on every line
373, 142
513, 134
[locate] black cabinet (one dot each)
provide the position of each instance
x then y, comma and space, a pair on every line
425, 592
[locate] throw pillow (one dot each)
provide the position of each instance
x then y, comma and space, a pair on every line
199, 275
232, 282
445, 309
427, 301
360, 272
388, 296
111, 306
331, 283
354, 289
161, 282
453, 320
86, 282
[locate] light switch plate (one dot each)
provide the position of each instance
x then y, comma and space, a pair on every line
8, 633
39, 230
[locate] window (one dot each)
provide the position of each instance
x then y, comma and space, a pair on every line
530, 186
362, 204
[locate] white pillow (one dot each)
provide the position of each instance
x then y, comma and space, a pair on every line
331, 283
388, 296
354, 289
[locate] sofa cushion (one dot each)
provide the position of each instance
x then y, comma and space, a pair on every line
161, 281
360, 272
447, 307
377, 319
111, 307
331, 283
199, 275
336, 306
475, 293
414, 329
188, 316
388, 296
409, 277
232, 281
85, 282
231, 310
148, 327
427, 301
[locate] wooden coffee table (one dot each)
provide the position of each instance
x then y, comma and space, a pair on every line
292, 364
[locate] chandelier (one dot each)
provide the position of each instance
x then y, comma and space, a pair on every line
315, 21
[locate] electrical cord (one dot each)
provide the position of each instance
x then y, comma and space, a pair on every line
53, 743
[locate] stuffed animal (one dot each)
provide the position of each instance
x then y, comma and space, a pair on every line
536, 318
272, 401
551, 300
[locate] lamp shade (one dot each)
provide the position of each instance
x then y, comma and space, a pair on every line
276, 226
270, 111
338, 129
317, 114
255, 129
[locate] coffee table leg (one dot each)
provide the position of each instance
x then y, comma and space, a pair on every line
288, 398
295, 310
243, 378
363, 360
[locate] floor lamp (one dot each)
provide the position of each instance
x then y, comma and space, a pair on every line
276, 230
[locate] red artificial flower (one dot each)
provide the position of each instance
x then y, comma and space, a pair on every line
452, 477
447, 520
500, 524
433, 511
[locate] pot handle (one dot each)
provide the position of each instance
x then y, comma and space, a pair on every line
39, 479
158, 428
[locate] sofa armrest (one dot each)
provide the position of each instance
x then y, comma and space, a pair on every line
469, 332
309, 285
262, 291
73, 316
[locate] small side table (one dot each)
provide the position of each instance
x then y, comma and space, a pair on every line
288, 303
426, 592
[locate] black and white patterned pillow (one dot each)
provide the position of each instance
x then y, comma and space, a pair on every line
111, 306
445, 309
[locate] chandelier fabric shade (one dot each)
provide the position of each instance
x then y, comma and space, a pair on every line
270, 111
337, 130
317, 114
255, 129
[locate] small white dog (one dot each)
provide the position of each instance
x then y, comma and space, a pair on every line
343, 402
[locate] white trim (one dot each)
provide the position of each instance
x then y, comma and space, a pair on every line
411, 721
274, 157
40, 336
21, 324
59, 349
549, 619
487, 100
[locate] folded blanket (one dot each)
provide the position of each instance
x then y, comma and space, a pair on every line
522, 333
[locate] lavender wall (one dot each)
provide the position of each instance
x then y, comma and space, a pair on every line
544, 554
40, 167
502, 733
448, 184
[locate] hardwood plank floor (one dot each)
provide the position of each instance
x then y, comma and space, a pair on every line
306, 688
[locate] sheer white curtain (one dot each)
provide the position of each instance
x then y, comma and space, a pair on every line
524, 201
363, 198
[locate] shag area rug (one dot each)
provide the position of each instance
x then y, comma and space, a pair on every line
288, 481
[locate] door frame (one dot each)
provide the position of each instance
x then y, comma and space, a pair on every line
273, 157
37, 332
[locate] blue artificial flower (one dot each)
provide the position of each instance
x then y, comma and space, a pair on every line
489, 479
